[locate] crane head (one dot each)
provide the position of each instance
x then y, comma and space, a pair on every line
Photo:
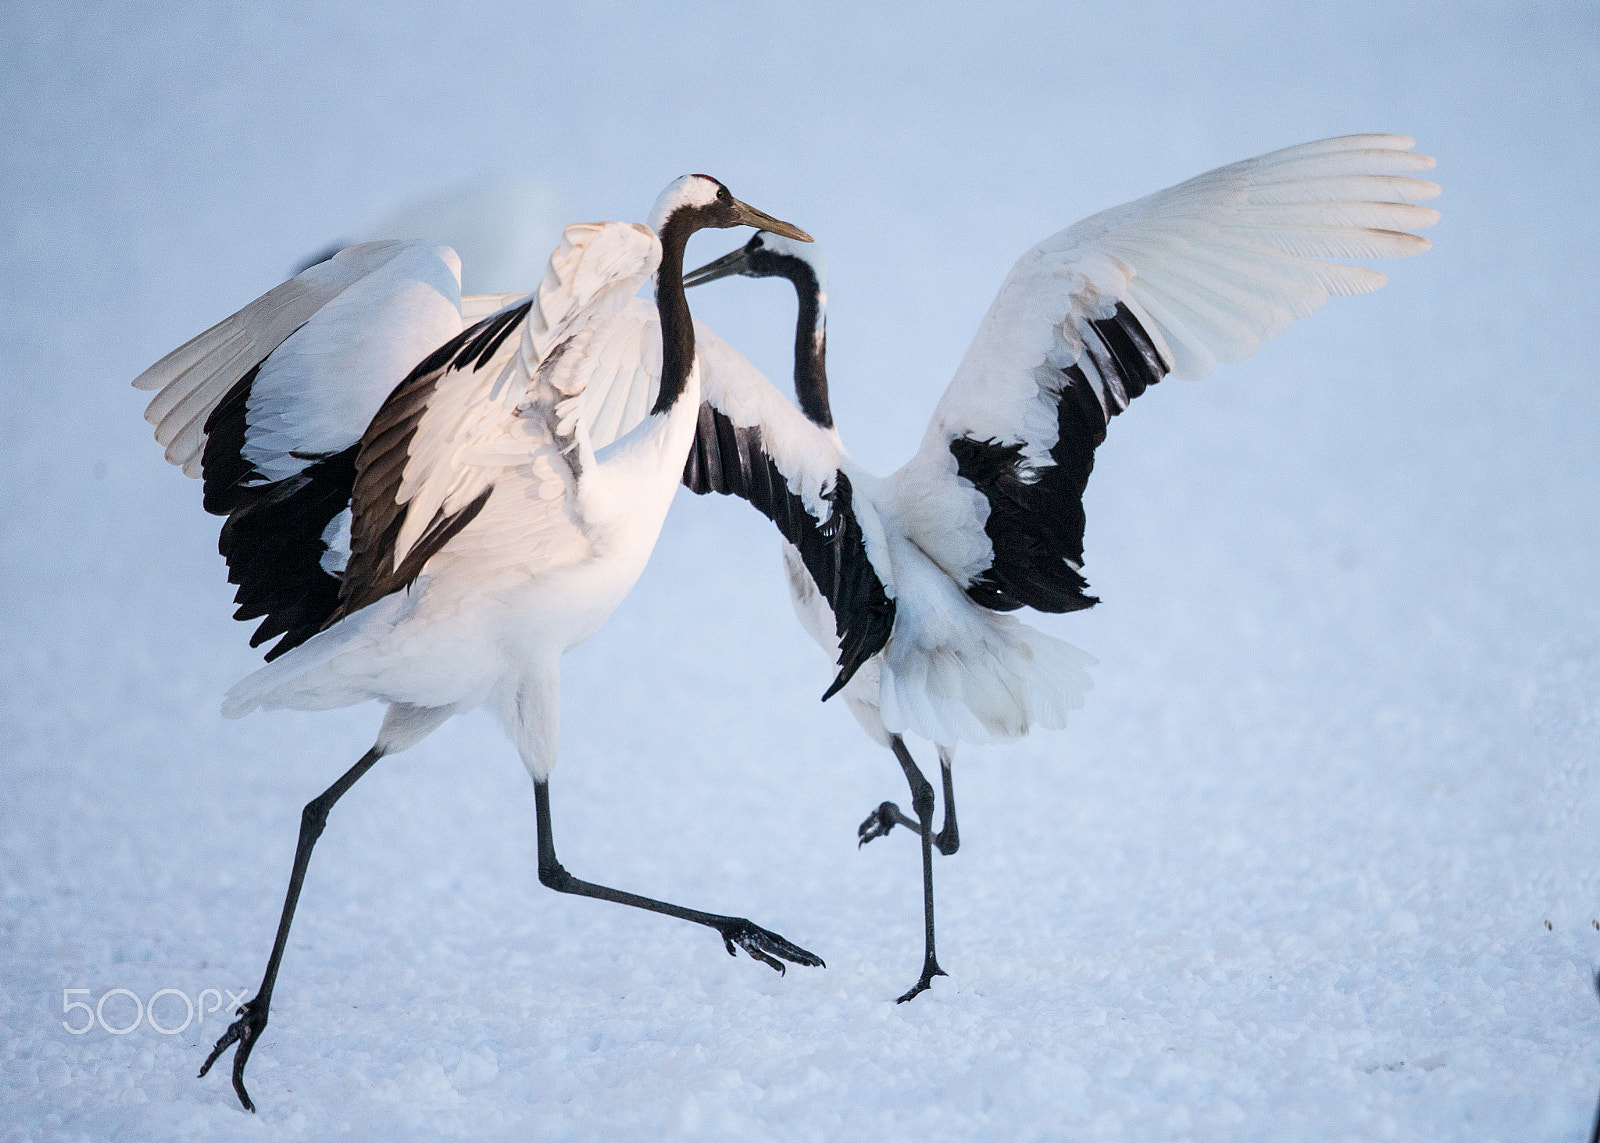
700, 201
768, 255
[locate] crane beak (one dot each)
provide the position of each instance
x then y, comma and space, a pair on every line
726, 266
761, 220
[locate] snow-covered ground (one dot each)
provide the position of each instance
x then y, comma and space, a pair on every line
1320, 860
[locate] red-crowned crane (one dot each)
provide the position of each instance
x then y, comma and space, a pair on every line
987, 517
431, 516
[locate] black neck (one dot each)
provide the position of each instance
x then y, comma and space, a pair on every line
677, 326
810, 348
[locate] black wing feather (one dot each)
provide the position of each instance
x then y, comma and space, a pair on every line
732, 460
272, 538
1036, 520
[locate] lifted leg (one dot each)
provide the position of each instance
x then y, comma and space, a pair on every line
247, 1029
761, 944
922, 802
888, 815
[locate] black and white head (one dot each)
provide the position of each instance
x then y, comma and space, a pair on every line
696, 202
770, 255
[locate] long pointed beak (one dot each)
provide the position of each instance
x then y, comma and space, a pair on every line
729, 264
761, 220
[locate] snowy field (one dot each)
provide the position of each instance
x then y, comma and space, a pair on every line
1319, 861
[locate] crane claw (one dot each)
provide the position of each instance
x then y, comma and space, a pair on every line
880, 821
246, 1030
764, 945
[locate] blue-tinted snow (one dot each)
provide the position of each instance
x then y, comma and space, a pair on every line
1286, 878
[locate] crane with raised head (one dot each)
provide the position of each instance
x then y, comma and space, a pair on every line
432, 516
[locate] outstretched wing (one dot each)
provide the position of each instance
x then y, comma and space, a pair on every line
1197, 274
500, 406
269, 404
752, 443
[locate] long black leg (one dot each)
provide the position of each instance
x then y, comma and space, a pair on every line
761, 944
948, 839
922, 802
253, 1013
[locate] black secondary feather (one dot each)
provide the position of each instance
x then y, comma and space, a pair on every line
1036, 519
730, 459
273, 536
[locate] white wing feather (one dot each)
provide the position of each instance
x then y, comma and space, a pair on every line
346, 332
624, 377
523, 408
1211, 268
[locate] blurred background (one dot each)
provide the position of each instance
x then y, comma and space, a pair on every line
1318, 861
